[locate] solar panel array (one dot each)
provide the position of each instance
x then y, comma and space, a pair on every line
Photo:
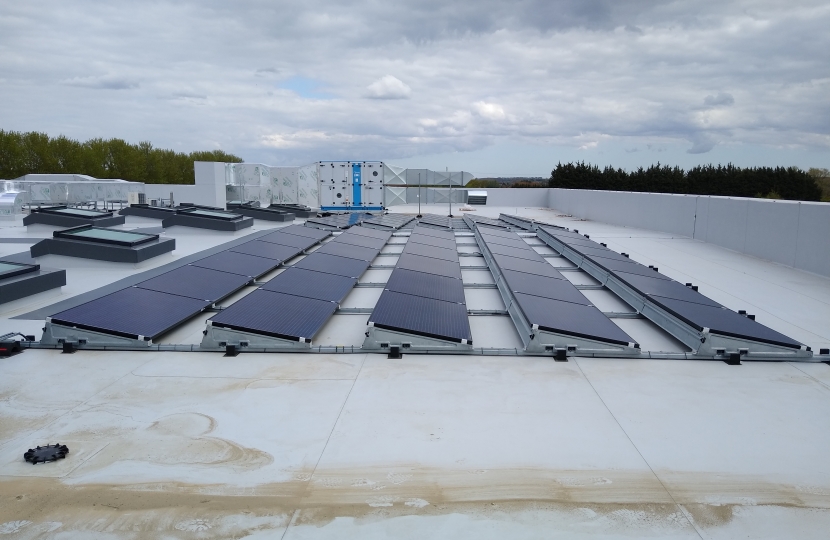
681, 301
434, 220
298, 302
424, 296
338, 221
481, 220
388, 221
154, 306
542, 294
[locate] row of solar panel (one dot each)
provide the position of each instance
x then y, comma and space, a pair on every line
681, 301
425, 295
338, 221
434, 220
543, 294
299, 301
153, 307
388, 221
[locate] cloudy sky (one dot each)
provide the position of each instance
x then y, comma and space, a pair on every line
493, 87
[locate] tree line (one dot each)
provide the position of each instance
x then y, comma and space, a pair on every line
37, 153
777, 183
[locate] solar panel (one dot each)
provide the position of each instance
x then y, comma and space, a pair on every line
310, 284
514, 242
437, 221
287, 239
374, 233
572, 319
629, 266
437, 233
132, 312
426, 285
238, 263
429, 265
499, 233
277, 315
544, 286
542, 268
393, 221
341, 249
422, 316
520, 253
332, 264
723, 321
600, 251
433, 241
362, 241
431, 251
308, 232
278, 252
196, 282
649, 285
480, 220
580, 243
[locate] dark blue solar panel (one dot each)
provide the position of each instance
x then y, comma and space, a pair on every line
446, 243
516, 243
132, 312
431, 251
196, 282
572, 319
331, 264
723, 321
542, 268
546, 287
286, 239
499, 233
615, 265
349, 251
309, 284
422, 316
238, 263
429, 265
649, 286
425, 231
426, 285
373, 233
276, 314
520, 253
362, 241
268, 250
599, 251
308, 232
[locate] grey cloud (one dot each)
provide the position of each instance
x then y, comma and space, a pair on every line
106, 82
701, 145
722, 99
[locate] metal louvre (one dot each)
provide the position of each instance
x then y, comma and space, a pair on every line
132, 312
422, 316
332, 264
276, 314
311, 284
195, 282
426, 285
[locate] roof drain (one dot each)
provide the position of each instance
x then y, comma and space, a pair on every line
45, 454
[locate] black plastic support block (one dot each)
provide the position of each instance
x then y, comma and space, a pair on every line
694, 288
561, 355
734, 359
741, 312
9, 348
624, 255
68, 348
824, 351
395, 353
231, 350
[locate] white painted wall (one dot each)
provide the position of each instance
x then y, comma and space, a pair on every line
789, 232
209, 189
534, 197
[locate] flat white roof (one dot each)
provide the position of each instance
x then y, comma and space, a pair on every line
198, 445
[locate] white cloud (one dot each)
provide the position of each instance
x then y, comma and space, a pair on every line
535, 74
388, 87
491, 111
